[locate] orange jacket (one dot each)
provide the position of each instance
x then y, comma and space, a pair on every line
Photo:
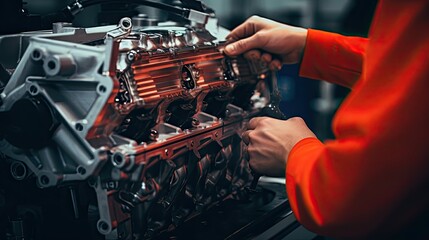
372, 181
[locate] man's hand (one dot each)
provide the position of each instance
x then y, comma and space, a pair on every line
273, 42
270, 141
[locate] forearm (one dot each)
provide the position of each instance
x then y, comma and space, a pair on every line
372, 181
332, 57
322, 198
359, 187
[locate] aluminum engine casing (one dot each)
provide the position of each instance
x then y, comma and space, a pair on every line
151, 118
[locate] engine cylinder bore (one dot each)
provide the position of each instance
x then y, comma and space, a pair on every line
29, 123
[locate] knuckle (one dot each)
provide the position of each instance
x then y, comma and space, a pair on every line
297, 119
265, 121
266, 56
241, 44
258, 36
251, 151
253, 121
247, 134
261, 34
253, 54
254, 18
255, 165
250, 135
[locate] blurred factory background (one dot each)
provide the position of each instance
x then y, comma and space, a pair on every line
315, 101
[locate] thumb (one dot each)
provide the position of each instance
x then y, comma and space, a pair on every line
241, 46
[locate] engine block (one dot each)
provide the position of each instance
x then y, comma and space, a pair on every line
149, 119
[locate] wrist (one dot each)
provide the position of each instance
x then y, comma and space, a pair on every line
302, 36
296, 41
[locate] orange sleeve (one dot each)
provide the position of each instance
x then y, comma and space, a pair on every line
372, 181
333, 57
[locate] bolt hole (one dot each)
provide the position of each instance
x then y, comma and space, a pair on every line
18, 170
52, 65
37, 55
81, 170
44, 180
103, 226
118, 159
126, 23
102, 89
79, 127
33, 89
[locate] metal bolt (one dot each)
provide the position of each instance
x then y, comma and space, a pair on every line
131, 56
153, 134
227, 112
195, 122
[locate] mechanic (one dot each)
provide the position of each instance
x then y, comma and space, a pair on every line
372, 181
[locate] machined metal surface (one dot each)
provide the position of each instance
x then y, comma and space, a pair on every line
149, 119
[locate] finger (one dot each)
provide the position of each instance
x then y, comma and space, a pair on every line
253, 162
241, 46
275, 65
253, 123
245, 137
244, 30
244, 152
266, 57
252, 54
